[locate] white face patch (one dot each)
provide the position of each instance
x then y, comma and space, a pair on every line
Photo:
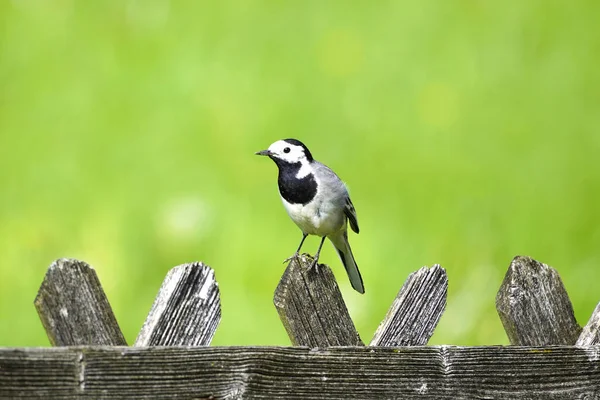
290, 153
305, 169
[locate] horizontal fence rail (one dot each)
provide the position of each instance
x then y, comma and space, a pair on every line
552, 356
300, 373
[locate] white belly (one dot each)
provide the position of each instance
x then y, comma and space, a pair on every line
316, 218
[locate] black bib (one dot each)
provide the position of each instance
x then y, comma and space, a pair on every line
292, 189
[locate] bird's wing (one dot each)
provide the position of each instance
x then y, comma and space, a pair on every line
336, 184
351, 214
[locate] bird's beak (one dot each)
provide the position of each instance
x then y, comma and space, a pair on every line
263, 153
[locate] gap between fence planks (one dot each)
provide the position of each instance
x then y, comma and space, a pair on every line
299, 373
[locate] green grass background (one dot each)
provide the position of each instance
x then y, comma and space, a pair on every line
468, 132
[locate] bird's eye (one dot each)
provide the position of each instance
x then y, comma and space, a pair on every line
286, 150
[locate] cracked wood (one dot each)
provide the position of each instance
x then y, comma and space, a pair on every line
186, 311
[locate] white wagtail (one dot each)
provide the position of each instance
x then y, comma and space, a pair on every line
317, 200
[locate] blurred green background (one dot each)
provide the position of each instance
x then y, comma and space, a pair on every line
468, 132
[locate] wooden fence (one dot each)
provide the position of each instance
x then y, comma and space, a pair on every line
551, 356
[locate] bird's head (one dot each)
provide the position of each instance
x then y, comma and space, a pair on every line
290, 151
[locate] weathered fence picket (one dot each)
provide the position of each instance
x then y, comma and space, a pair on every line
186, 311
591, 332
311, 307
416, 310
532, 304
74, 309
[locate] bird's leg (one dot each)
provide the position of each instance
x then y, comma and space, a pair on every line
316, 259
304, 235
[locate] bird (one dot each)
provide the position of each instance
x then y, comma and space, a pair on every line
317, 200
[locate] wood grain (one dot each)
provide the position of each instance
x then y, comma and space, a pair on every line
416, 310
512, 372
534, 306
591, 332
73, 307
186, 311
311, 307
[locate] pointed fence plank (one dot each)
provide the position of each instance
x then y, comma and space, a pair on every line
591, 332
511, 372
534, 306
416, 310
311, 307
187, 309
73, 307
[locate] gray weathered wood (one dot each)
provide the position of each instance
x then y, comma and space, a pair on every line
186, 311
591, 332
416, 310
311, 307
561, 372
534, 306
73, 307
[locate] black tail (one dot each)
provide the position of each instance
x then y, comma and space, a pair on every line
343, 248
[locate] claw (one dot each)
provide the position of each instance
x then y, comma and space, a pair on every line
287, 260
314, 264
